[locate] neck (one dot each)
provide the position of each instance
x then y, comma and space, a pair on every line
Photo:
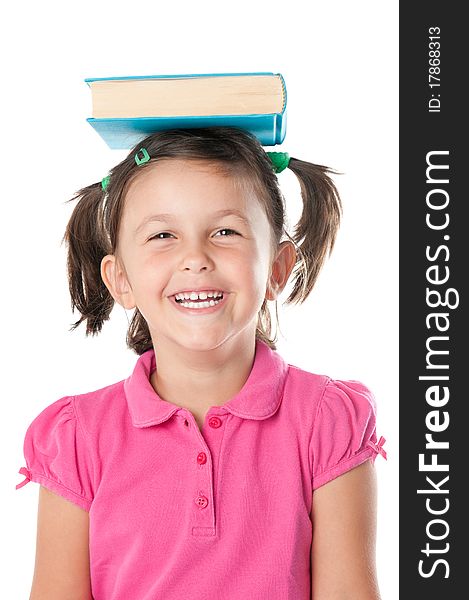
196, 379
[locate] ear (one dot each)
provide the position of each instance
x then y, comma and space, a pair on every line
116, 281
280, 270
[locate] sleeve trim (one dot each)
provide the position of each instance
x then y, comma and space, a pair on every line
343, 467
60, 489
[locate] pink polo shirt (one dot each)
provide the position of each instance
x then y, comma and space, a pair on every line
222, 514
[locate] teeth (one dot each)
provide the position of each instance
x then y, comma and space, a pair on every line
198, 295
199, 304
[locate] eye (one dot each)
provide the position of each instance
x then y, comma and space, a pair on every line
157, 236
230, 230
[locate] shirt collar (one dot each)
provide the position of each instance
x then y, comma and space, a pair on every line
259, 397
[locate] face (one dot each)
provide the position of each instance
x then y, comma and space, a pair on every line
186, 227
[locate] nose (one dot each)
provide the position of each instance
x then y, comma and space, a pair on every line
196, 258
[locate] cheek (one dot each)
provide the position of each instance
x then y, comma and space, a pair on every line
147, 273
254, 271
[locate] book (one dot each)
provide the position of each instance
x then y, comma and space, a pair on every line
127, 109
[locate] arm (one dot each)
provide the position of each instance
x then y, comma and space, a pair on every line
62, 570
344, 536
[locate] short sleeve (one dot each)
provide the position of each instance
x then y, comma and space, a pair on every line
57, 454
344, 431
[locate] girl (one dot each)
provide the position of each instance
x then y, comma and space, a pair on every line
215, 470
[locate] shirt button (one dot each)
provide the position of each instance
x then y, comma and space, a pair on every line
201, 501
201, 458
214, 422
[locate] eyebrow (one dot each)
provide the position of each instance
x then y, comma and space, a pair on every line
168, 218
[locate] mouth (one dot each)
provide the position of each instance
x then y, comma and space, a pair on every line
200, 303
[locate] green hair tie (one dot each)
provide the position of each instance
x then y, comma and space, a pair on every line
145, 157
280, 160
105, 182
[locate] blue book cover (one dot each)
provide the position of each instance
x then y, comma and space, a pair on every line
123, 133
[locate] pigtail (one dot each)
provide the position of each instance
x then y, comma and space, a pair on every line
87, 245
138, 335
314, 234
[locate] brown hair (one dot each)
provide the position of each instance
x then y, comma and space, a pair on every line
92, 231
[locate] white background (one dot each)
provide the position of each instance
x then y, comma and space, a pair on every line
339, 60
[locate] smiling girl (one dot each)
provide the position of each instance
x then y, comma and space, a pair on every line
216, 470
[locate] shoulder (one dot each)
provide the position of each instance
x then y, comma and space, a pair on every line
347, 396
323, 390
89, 413
319, 393
106, 405
305, 386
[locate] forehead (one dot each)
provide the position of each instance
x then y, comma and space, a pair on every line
189, 187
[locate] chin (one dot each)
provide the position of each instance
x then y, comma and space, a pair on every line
192, 342
202, 343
